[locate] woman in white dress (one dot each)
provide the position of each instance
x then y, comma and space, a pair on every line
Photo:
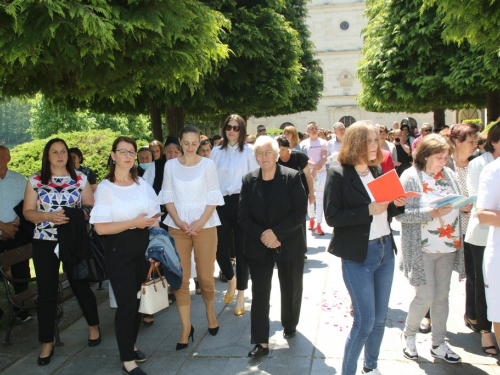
191, 193
488, 212
123, 210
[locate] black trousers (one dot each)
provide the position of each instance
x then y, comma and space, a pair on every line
470, 282
125, 266
483, 324
47, 273
290, 274
228, 215
20, 270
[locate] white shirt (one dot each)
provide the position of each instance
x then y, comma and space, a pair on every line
333, 152
191, 189
115, 203
232, 165
314, 149
392, 149
488, 197
380, 225
150, 173
12, 188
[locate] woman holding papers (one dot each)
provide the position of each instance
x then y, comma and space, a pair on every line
363, 239
477, 234
431, 242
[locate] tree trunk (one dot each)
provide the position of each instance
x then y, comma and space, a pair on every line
493, 106
175, 120
155, 114
439, 119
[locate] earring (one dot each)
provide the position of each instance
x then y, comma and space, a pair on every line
113, 162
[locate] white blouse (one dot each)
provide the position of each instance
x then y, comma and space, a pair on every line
379, 226
191, 189
115, 203
232, 165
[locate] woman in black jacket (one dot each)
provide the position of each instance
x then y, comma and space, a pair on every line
272, 209
362, 238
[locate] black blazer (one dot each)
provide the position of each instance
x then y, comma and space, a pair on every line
346, 210
285, 214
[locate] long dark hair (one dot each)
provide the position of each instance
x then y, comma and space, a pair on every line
46, 174
242, 134
133, 171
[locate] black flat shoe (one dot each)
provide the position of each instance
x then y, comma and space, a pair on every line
289, 335
181, 346
213, 331
197, 287
258, 351
136, 371
46, 360
140, 356
424, 327
97, 341
150, 323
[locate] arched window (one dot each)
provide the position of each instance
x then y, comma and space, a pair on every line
347, 121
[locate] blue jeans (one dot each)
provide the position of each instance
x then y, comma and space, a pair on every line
369, 284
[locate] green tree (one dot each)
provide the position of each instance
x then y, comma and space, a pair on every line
406, 65
14, 122
106, 48
476, 21
48, 119
270, 71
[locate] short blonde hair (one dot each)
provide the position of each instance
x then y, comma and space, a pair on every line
354, 146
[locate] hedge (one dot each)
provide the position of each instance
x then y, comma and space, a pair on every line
95, 146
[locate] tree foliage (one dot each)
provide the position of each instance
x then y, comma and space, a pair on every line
406, 65
106, 48
476, 21
14, 122
95, 146
47, 119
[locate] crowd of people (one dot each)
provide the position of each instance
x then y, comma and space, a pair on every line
246, 202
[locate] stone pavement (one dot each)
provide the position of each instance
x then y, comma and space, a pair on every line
317, 348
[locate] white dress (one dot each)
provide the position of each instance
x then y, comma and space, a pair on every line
191, 189
488, 197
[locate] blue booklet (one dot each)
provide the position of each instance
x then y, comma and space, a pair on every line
456, 201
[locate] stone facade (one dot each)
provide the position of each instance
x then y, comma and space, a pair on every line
336, 33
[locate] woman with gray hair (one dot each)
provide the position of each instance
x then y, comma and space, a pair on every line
272, 210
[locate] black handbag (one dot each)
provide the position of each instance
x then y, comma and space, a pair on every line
92, 269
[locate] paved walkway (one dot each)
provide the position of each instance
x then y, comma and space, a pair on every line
317, 348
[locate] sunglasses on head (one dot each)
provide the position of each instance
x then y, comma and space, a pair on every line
234, 128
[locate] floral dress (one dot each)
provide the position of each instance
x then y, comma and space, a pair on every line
442, 234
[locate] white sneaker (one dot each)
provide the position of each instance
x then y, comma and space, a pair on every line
375, 371
444, 352
409, 347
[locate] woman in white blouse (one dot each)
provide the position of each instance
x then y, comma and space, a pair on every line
123, 210
233, 159
191, 193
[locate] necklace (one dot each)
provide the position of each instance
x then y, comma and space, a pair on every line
365, 173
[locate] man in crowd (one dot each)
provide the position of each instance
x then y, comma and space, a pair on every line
334, 144
386, 145
261, 130
12, 186
426, 129
316, 149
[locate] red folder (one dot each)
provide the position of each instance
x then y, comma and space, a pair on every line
388, 188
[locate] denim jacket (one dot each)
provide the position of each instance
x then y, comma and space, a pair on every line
162, 249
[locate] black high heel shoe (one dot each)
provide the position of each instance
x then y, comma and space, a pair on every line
213, 331
45, 360
97, 341
181, 346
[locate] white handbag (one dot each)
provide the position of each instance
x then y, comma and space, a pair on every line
153, 293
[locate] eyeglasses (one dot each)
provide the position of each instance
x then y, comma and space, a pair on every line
426, 130
268, 153
124, 152
231, 127
261, 130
